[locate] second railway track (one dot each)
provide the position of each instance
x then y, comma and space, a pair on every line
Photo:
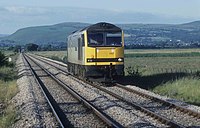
69, 111
166, 113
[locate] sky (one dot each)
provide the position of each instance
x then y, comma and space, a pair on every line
16, 14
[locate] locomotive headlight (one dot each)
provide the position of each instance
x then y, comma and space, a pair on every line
89, 60
112, 50
120, 59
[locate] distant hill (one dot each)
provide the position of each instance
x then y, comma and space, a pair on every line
163, 35
3, 35
192, 25
166, 35
44, 34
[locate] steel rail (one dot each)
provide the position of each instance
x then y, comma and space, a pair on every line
107, 119
141, 108
179, 108
138, 107
57, 111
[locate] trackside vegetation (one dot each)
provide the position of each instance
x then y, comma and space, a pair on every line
185, 89
8, 89
191, 54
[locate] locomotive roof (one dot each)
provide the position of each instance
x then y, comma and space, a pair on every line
101, 27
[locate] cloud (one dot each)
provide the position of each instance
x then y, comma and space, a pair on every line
26, 10
14, 17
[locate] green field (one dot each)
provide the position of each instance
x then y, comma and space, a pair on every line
56, 55
142, 51
161, 71
156, 65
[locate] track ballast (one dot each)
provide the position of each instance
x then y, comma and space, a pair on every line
158, 110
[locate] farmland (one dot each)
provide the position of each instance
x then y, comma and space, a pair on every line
162, 71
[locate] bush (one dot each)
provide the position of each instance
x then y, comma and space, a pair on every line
133, 71
197, 74
2, 59
65, 59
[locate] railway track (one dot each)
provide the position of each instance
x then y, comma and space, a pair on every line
166, 112
59, 112
182, 116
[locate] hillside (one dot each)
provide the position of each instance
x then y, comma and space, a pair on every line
44, 34
3, 35
161, 35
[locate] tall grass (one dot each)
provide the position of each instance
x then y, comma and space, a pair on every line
7, 73
8, 89
8, 118
186, 89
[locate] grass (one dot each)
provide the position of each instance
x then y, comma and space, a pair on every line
55, 55
183, 54
156, 65
186, 89
144, 51
8, 118
7, 73
8, 89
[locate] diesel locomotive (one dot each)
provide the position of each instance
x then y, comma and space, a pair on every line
96, 52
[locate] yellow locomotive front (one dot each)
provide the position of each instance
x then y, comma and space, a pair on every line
104, 51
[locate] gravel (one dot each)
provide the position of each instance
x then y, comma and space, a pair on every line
123, 113
32, 109
163, 110
178, 102
76, 113
119, 111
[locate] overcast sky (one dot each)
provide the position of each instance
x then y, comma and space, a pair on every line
15, 14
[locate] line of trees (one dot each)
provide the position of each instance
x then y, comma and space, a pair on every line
35, 47
2, 59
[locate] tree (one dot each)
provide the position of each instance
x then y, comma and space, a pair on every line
2, 59
17, 48
31, 47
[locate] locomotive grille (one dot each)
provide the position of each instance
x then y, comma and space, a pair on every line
105, 60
